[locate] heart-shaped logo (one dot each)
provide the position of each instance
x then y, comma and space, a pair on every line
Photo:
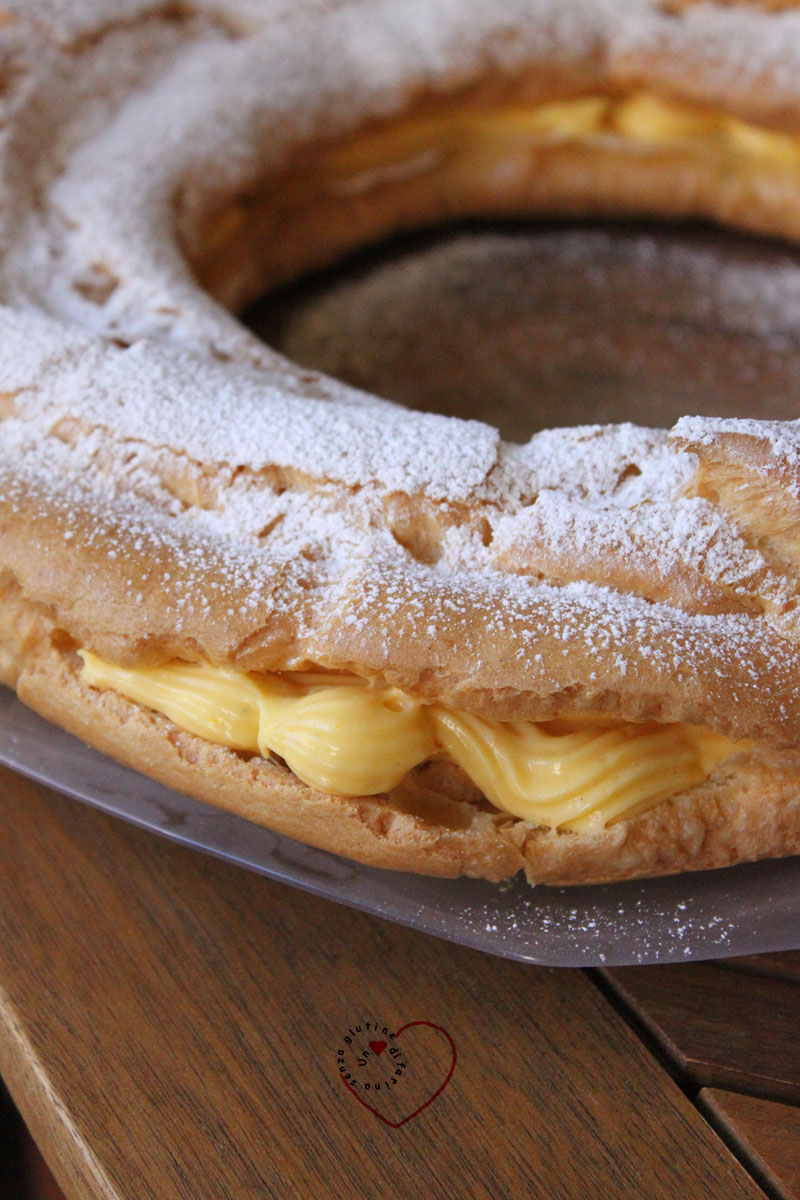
419, 1065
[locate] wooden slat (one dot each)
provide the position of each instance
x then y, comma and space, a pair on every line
722, 1028
778, 966
169, 1027
39, 1178
765, 1133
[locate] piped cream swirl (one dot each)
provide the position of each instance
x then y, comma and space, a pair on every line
341, 735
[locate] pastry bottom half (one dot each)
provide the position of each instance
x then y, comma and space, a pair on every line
435, 822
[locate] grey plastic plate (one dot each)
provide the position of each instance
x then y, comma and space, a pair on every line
709, 914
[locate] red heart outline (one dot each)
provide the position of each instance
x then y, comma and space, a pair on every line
430, 1100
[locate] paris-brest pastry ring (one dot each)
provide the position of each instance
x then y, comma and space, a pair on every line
385, 632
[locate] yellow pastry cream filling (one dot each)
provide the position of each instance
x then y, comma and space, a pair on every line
641, 121
342, 735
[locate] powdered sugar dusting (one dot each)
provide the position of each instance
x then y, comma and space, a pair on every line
782, 437
219, 479
149, 393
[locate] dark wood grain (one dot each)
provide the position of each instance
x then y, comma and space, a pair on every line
722, 1028
39, 1179
169, 1027
765, 1133
778, 966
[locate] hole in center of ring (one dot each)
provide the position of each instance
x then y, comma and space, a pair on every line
528, 326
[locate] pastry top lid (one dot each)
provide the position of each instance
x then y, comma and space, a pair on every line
194, 493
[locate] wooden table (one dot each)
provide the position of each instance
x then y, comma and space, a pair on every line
169, 1027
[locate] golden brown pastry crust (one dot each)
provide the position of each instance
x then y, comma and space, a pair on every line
435, 823
171, 488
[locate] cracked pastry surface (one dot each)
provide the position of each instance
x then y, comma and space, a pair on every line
172, 489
